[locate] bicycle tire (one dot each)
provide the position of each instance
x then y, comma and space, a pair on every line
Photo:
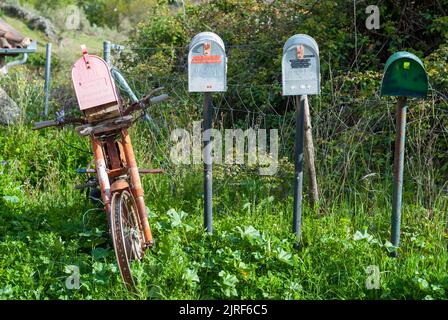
127, 234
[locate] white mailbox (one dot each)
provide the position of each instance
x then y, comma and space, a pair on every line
300, 66
207, 64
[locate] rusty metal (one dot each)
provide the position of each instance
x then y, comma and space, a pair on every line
101, 173
104, 126
110, 146
119, 185
118, 172
136, 186
151, 171
114, 173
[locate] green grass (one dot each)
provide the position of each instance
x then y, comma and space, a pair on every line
46, 227
251, 255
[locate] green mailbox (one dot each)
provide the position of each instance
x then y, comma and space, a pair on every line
404, 76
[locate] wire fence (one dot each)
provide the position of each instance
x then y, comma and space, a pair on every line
353, 135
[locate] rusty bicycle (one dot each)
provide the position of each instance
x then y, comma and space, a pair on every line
106, 122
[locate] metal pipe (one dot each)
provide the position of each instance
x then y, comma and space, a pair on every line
106, 51
118, 77
136, 186
47, 77
123, 84
101, 173
208, 181
5, 68
298, 160
116, 74
398, 170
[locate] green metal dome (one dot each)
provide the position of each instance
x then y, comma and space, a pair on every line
404, 76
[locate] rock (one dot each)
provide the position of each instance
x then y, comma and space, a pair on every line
10, 112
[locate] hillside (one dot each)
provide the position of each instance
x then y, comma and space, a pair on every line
66, 46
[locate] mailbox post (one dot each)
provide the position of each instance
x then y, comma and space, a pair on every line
207, 72
404, 76
300, 77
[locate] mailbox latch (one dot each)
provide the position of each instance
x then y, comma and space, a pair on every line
300, 52
85, 55
207, 48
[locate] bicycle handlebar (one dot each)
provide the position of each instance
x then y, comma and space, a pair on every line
146, 101
136, 106
45, 124
57, 123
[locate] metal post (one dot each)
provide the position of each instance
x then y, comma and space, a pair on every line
47, 76
106, 52
116, 74
298, 159
208, 114
398, 170
123, 84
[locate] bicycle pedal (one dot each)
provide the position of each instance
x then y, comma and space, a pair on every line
149, 245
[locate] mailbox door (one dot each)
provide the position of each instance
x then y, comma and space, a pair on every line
301, 71
300, 66
404, 75
93, 83
207, 66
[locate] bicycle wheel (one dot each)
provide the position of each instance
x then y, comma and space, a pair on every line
127, 235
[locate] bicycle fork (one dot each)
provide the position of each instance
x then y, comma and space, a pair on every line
136, 186
135, 182
103, 178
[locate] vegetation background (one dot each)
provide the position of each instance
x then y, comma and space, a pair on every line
47, 227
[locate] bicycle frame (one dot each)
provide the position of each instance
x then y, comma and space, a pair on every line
114, 159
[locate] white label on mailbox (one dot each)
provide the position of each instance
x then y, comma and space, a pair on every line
301, 75
207, 72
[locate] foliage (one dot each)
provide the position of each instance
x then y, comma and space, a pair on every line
47, 227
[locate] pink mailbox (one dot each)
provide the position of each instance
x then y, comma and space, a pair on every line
95, 89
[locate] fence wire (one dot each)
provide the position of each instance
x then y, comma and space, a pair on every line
353, 136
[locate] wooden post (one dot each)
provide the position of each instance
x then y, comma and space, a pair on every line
309, 156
